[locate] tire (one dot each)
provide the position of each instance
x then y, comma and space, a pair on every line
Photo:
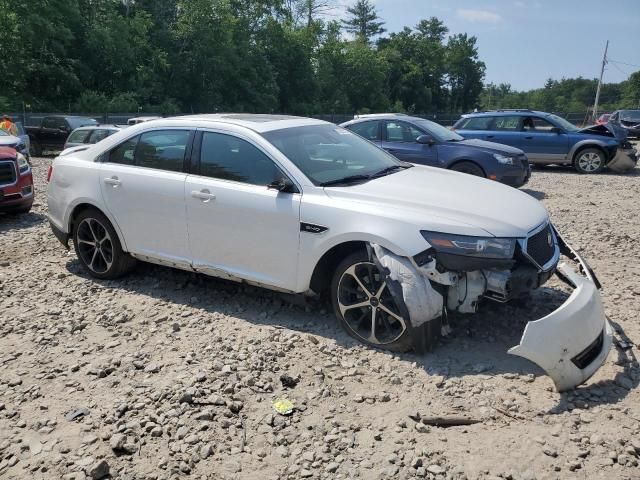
107, 262
589, 160
468, 168
35, 149
390, 330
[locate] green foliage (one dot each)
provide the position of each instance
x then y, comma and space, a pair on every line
170, 56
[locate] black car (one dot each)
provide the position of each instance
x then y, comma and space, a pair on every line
424, 142
627, 119
53, 132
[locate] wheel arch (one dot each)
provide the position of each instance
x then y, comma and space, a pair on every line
82, 206
466, 160
326, 265
580, 146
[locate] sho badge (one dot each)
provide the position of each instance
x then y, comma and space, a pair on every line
312, 228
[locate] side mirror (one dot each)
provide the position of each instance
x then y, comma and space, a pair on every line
425, 140
283, 185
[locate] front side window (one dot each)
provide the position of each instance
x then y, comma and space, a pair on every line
79, 136
231, 158
368, 130
536, 124
511, 123
49, 123
401, 132
162, 149
327, 154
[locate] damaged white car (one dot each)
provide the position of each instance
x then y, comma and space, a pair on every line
303, 206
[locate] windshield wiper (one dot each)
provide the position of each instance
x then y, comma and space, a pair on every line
386, 171
344, 180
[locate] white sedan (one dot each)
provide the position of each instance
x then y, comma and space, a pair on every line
303, 206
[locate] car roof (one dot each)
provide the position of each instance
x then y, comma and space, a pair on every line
506, 113
383, 116
257, 122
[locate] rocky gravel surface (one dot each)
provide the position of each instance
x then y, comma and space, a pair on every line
166, 374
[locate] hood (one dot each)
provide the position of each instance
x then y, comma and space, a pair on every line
606, 130
446, 201
490, 147
8, 140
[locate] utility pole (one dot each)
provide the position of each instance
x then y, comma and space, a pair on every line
604, 62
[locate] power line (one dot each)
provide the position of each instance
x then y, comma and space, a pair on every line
623, 63
618, 68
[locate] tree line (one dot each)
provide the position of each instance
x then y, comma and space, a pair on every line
286, 56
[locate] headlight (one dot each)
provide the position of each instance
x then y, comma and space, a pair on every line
482, 247
503, 159
23, 164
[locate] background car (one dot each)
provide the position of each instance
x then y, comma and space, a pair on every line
16, 182
53, 131
137, 120
90, 135
602, 119
420, 141
547, 138
627, 119
24, 136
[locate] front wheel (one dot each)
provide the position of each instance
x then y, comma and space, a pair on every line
469, 168
589, 160
365, 307
98, 247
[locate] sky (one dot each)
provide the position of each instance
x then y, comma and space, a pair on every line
524, 42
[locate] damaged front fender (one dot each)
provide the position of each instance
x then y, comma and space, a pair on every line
571, 343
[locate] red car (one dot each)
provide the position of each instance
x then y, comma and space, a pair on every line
603, 119
16, 182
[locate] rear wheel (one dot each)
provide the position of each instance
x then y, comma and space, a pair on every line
469, 168
35, 150
589, 160
365, 307
98, 247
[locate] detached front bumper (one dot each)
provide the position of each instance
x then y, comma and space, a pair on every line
625, 159
571, 343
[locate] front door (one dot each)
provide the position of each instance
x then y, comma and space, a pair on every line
143, 182
399, 139
237, 225
543, 142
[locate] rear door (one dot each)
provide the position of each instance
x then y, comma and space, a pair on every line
505, 129
399, 139
237, 225
543, 142
142, 182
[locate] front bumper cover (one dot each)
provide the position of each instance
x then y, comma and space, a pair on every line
624, 160
571, 343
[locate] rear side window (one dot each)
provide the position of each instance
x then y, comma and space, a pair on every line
511, 123
230, 158
368, 130
162, 149
79, 136
475, 123
124, 154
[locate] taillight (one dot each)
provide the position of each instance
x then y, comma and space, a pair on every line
49, 173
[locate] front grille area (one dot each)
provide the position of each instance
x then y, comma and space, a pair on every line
539, 248
7, 173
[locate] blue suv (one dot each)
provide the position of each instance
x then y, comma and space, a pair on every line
420, 141
547, 138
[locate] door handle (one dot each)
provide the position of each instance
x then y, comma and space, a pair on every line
489, 136
113, 181
528, 138
204, 195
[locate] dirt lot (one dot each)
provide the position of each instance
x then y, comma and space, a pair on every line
173, 374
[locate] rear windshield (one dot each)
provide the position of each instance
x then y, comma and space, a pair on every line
79, 136
81, 122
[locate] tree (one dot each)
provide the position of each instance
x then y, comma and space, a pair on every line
364, 22
465, 72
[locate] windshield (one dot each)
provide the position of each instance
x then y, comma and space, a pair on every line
562, 123
437, 131
327, 154
630, 115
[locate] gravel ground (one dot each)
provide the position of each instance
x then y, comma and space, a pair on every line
170, 374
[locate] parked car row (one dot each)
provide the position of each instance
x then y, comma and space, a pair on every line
307, 207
